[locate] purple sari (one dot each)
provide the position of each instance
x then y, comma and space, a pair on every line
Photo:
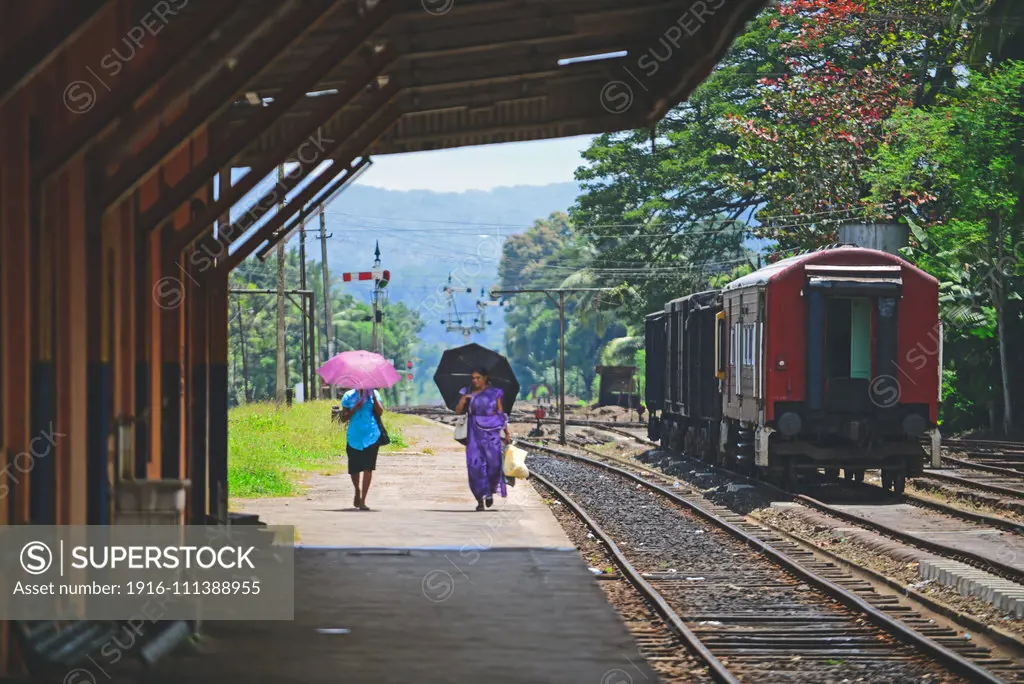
485, 446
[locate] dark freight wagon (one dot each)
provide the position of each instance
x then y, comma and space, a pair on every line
825, 360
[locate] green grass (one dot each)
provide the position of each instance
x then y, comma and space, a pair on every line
270, 449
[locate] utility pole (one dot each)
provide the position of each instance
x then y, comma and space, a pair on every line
560, 303
307, 393
328, 323
245, 360
282, 370
561, 364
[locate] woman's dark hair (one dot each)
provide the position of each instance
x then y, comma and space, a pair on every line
482, 371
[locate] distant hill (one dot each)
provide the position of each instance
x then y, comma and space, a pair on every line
424, 236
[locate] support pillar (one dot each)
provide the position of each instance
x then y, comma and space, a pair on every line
169, 296
71, 354
196, 299
218, 378
41, 457
99, 392
143, 335
17, 283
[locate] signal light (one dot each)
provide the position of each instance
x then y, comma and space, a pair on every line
409, 377
409, 365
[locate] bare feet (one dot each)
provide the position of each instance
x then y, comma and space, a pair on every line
357, 502
362, 506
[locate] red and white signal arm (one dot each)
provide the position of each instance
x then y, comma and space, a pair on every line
383, 276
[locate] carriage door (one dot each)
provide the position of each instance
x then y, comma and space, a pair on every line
851, 328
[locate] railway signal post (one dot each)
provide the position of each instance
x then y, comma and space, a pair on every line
558, 301
380, 277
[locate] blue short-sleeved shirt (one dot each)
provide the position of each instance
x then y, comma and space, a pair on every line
362, 426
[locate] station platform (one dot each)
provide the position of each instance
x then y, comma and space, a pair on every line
425, 589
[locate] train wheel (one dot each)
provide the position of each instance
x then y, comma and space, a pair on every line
831, 473
886, 480
899, 484
848, 474
858, 475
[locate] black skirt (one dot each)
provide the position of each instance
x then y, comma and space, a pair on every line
360, 460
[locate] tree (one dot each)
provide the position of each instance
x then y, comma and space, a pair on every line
850, 65
252, 345
959, 167
665, 208
548, 255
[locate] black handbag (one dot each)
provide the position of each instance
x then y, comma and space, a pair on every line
385, 439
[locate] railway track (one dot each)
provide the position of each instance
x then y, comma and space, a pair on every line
1003, 639
992, 544
444, 416
983, 477
1007, 447
755, 602
912, 499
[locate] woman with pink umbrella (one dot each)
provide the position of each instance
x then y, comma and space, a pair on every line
362, 409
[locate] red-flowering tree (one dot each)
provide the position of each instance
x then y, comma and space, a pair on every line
850, 66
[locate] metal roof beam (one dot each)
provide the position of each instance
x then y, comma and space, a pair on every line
710, 48
610, 122
25, 60
187, 80
498, 70
295, 143
340, 182
222, 153
119, 105
383, 112
507, 57
214, 98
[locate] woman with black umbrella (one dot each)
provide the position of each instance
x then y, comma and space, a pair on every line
485, 424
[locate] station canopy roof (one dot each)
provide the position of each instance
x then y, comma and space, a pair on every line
475, 72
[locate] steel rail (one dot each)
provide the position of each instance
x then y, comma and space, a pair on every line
993, 566
938, 506
719, 672
940, 653
970, 516
1001, 444
952, 511
981, 486
984, 467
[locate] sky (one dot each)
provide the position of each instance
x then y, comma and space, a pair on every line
482, 167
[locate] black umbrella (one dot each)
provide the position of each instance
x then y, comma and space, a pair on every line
457, 366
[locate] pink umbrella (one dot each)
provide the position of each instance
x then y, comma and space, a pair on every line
359, 370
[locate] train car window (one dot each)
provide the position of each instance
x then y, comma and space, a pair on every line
735, 341
748, 345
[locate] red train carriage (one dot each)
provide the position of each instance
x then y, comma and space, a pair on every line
824, 360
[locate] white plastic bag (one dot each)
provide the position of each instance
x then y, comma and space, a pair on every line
514, 463
461, 430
